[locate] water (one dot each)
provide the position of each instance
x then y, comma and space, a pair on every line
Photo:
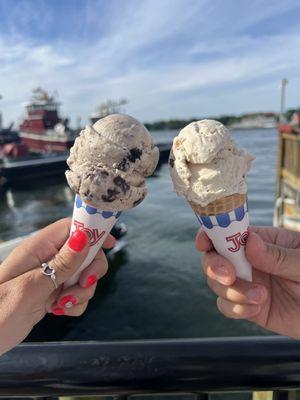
155, 289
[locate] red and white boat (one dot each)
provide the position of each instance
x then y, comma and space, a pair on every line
43, 130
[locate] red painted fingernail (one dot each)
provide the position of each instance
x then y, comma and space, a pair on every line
58, 311
78, 241
91, 280
67, 300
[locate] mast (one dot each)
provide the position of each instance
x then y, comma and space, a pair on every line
282, 100
112, 107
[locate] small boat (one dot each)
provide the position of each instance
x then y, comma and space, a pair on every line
43, 130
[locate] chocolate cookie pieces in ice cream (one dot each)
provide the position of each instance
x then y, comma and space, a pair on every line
110, 161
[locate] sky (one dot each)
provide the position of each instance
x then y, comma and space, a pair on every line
169, 58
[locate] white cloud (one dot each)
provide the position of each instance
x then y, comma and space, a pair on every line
198, 77
46, 57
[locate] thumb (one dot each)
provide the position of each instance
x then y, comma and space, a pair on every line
273, 259
67, 261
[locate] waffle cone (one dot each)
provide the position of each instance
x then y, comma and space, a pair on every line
226, 204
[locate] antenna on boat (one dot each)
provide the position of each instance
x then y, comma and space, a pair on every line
282, 99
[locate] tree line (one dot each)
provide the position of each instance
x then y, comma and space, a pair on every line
227, 120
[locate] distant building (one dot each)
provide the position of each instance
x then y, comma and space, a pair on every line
265, 120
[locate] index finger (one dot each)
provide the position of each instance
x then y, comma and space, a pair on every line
36, 249
202, 241
280, 236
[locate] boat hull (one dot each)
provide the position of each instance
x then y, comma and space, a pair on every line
45, 145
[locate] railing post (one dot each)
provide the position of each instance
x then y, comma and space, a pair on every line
202, 396
285, 395
265, 395
45, 398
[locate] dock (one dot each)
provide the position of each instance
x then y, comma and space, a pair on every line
287, 206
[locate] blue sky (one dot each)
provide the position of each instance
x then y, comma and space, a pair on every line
170, 58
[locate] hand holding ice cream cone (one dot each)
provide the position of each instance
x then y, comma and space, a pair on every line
108, 166
272, 299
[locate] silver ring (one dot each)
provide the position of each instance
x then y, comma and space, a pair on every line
69, 304
49, 271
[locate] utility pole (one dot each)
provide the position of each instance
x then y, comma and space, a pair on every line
282, 100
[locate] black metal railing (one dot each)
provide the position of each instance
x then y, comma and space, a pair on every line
147, 367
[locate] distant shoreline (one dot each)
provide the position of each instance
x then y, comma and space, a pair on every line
228, 127
259, 120
248, 121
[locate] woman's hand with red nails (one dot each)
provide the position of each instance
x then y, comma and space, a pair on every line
272, 299
27, 295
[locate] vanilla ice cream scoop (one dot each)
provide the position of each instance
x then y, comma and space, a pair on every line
205, 163
109, 162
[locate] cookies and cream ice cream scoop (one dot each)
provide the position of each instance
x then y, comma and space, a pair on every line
110, 161
108, 165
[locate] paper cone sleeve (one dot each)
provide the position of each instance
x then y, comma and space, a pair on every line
229, 239
97, 225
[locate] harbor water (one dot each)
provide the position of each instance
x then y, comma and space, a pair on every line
155, 287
